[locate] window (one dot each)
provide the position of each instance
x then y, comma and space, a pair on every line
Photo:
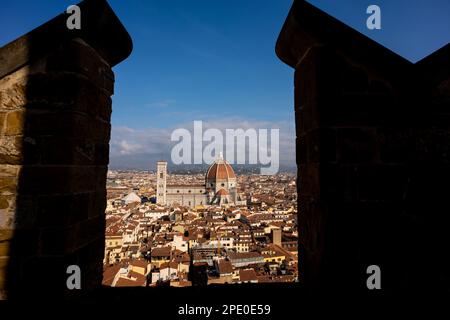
161, 175
178, 191
223, 184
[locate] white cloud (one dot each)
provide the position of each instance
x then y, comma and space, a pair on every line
126, 147
156, 142
128, 141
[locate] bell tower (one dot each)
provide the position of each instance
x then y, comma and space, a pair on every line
161, 179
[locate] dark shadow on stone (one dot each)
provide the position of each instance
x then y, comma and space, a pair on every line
373, 137
63, 102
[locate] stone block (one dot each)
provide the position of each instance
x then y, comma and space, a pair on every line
309, 174
357, 145
63, 210
77, 56
12, 123
8, 184
24, 243
5, 241
396, 144
383, 183
89, 230
12, 94
57, 241
59, 179
338, 182
11, 150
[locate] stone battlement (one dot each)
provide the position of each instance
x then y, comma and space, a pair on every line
373, 156
55, 107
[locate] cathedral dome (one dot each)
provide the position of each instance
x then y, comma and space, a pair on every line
222, 192
220, 170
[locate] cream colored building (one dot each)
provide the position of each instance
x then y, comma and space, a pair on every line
220, 187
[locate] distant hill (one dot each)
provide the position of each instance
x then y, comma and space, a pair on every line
148, 162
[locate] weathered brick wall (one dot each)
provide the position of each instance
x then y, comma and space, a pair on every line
55, 110
373, 137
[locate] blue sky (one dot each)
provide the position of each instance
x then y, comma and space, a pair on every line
214, 60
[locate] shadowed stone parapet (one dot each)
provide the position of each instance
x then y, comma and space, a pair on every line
373, 137
55, 107
100, 28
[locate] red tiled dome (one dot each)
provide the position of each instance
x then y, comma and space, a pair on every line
220, 170
222, 192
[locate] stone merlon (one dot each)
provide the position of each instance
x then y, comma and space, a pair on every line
100, 28
372, 151
55, 125
307, 26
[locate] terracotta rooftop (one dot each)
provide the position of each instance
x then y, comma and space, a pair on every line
161, 252
247, 275
225, 266
222, 192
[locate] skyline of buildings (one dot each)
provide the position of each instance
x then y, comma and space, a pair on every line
151, 242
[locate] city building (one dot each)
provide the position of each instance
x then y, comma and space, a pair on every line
148, 243
220, 187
